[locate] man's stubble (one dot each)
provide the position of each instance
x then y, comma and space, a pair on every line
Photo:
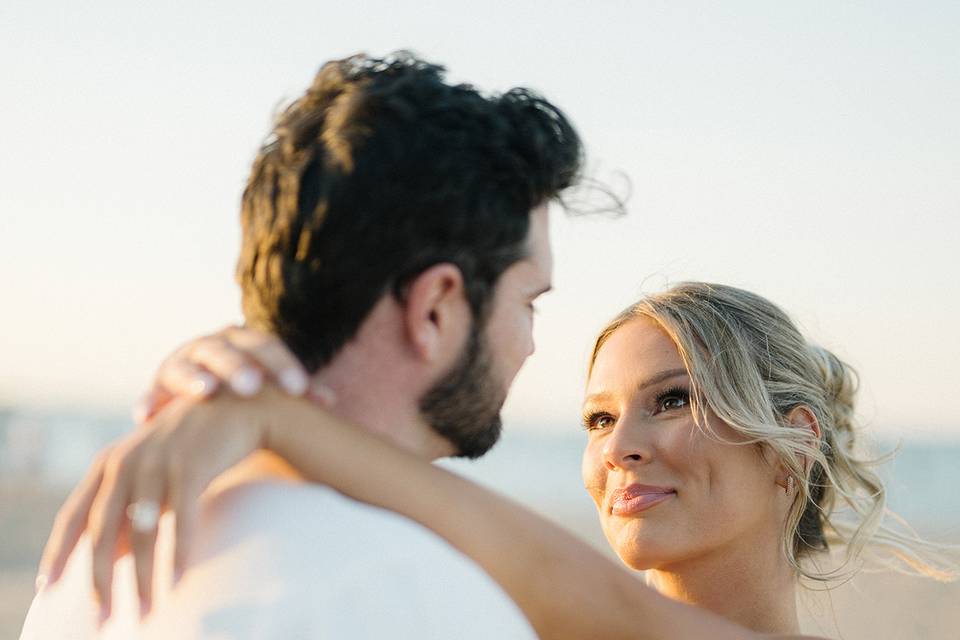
464, 406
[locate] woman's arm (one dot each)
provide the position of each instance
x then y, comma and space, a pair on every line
564, 587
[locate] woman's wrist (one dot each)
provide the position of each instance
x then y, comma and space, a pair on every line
297, 431
274, 419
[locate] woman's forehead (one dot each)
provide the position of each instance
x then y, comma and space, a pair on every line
638, 350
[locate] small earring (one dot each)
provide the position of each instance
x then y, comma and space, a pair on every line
789, 488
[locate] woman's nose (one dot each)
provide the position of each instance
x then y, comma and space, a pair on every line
626, 447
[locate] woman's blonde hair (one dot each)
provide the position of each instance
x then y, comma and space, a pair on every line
751, 366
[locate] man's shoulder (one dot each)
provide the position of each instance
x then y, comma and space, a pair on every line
309, 518
342, 564
295, 560
308, 534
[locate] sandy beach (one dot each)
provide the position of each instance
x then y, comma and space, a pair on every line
883, 606
26, 515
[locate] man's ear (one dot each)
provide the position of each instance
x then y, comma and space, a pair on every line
436, 312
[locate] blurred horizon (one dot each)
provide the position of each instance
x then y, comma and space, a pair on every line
563, 428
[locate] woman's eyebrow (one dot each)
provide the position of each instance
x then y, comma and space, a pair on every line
660, 377
649, 382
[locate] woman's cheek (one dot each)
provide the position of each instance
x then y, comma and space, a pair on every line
594, 474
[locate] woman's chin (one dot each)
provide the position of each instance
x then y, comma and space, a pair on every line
641, 561
640, 549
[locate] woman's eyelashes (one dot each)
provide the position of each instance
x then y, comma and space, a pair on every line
672, 398
597, 420
668, 400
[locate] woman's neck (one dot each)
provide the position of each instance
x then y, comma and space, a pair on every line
750, 585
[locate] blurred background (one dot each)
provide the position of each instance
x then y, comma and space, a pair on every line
807, 151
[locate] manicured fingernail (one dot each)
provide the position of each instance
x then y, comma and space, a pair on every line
40, 582
102, 615
323, 395
144, 609
246, 381
203, 384
177, 575
293, 381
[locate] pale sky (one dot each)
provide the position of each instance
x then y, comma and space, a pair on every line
807, 151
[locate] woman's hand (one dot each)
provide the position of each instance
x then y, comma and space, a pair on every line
239, 358
165, 465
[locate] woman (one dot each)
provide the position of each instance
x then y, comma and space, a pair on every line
719, 444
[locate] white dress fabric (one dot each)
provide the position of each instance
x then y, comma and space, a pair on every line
277, 560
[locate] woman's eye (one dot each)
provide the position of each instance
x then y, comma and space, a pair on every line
598, 421
676, 399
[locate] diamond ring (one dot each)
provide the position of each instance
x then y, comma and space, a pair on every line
144, 515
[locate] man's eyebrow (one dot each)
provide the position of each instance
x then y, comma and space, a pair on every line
649, 382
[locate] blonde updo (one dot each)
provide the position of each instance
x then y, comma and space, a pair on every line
751, 366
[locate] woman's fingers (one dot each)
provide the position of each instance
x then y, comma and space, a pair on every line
143, 510
321, 395
228, 363
179, 376
184, 500
150, 404
239, 357
69, 525
272, 355
105, 523
185, 375
170, 461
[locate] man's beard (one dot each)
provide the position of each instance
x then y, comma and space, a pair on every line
464, 407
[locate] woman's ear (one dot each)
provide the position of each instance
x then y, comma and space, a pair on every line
436, 312
802, 417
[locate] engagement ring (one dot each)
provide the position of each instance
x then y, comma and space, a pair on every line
144, 515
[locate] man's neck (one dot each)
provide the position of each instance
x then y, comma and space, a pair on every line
376, 387
363, 398
371, 396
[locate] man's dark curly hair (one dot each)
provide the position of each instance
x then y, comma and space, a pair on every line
380, 171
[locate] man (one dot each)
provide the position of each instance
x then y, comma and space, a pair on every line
395, 238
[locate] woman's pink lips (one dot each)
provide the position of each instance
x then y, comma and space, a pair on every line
637, 498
